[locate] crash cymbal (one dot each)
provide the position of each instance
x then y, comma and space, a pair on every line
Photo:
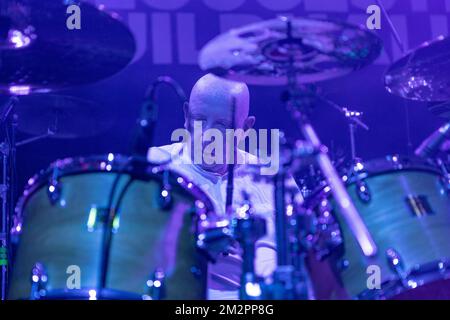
48, 56
423, 74
260, 53
63, 116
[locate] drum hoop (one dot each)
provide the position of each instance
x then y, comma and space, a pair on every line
96, 164
377, 167
393, 163
393, 285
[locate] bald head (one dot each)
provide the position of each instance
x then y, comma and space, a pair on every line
211, 104
214, 96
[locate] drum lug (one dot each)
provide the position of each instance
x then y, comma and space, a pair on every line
16, 229
342, 265
156, 286
445, 175
212, 241
328, 239
395, 263
54, 188
165, 200
196, 271
363, 192
39, 280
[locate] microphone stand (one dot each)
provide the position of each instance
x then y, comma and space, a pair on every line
143, 141
230, 166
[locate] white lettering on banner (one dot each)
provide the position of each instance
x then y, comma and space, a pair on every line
186, 39
280, 5
137, 23
170, 36
419, 5
161, 38
401, 24
118, 4
227, 5
234, 20
331, 6
273, 5
439, 25
166, 4
363, 4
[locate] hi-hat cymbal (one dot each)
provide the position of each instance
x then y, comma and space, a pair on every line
260, 53
423, 74
49, 56
63, 116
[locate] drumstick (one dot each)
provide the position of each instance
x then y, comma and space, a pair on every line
230, 166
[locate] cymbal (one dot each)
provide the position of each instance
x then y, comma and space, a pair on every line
62, 116
423, 74
48, 56
260, 53
440, 109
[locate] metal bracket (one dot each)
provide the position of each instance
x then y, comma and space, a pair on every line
156, 286
39, 280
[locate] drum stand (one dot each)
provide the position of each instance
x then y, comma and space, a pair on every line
8, 119
248, 229
8, 152
289, 279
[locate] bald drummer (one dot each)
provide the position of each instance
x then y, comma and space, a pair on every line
210, 106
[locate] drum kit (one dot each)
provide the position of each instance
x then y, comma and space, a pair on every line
132, 229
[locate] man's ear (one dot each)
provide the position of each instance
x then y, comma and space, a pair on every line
249, 123
186, 114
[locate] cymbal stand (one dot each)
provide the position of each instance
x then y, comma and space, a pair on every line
353, 118
348, 210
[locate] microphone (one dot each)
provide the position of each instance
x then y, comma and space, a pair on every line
145, 127
432, 144
149, 114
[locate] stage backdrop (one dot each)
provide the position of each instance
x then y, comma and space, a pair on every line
170, 33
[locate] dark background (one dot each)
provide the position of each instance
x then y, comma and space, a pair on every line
363, 90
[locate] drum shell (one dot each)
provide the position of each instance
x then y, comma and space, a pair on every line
421, 241
148, 237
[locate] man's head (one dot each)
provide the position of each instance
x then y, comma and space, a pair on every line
211, 103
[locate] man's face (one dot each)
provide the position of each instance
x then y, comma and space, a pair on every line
212, 113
